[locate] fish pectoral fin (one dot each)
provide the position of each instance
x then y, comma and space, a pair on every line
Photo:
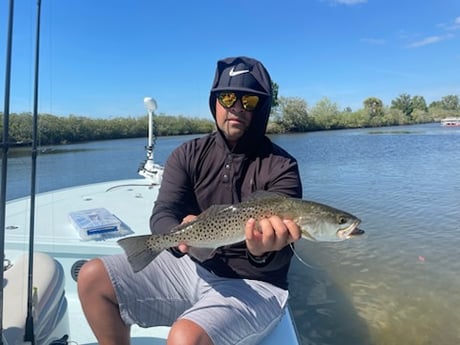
138, 253
306, 235
264, 194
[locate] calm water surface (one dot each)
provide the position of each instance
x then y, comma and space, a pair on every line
399, 284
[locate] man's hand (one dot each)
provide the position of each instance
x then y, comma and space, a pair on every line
270, 234
182, 246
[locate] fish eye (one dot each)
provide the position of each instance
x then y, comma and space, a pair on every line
342, 220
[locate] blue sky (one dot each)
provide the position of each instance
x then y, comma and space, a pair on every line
100, 58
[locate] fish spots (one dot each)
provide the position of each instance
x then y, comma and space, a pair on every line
224, 225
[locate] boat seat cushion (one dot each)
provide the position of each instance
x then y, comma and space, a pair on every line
50, 303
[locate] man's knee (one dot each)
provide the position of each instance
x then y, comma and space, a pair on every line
186, 332
93, 278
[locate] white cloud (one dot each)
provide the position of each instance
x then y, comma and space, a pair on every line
447, 27
456, 24
451, 26
430, 40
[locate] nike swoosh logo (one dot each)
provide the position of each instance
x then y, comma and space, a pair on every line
234, 73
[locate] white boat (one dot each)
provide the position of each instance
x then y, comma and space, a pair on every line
39, 301
451, 122
61, 248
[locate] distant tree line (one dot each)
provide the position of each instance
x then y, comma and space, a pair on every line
289, 114
293, 114
72, 129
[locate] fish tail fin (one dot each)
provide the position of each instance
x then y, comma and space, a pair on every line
138, 253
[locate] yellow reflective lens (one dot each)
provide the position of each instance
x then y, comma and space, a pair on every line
249, 102
228, 99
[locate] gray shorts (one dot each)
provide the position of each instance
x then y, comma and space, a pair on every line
231, 311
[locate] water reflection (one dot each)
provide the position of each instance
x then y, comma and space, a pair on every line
324, 314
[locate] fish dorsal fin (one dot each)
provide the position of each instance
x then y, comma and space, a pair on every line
264, 194
212, 210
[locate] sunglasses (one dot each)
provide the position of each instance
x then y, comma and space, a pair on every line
228, 99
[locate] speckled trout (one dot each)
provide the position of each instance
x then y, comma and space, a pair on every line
222, 225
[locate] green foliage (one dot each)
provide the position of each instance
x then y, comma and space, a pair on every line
20, 127
325, 115
356, 119
289, 114
421, 116
403, 103
450, 102
275, 89
179, 125
294, 114
393, 117
373, 106
71, 129
419, 103
447, 106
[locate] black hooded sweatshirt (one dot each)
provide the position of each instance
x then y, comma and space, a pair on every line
204, 172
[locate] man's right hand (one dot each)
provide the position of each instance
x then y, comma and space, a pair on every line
182, 246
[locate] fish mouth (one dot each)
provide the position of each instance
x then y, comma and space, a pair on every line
351, 231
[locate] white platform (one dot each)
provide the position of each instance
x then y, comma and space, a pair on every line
129, 200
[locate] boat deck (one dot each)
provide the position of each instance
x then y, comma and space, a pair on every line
131, 201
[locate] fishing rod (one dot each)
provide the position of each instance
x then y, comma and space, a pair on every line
29, 334
5, 146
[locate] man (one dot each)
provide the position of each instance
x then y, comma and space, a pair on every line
236, 294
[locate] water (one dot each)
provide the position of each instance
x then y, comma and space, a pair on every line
396, 285
399, 284
70, 165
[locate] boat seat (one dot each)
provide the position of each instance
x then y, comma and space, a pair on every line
50, 311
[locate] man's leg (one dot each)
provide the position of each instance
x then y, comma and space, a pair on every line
100, 305
229, 311
153, 297
233, 311
186, 332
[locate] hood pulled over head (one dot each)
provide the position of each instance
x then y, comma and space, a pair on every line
243, 74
